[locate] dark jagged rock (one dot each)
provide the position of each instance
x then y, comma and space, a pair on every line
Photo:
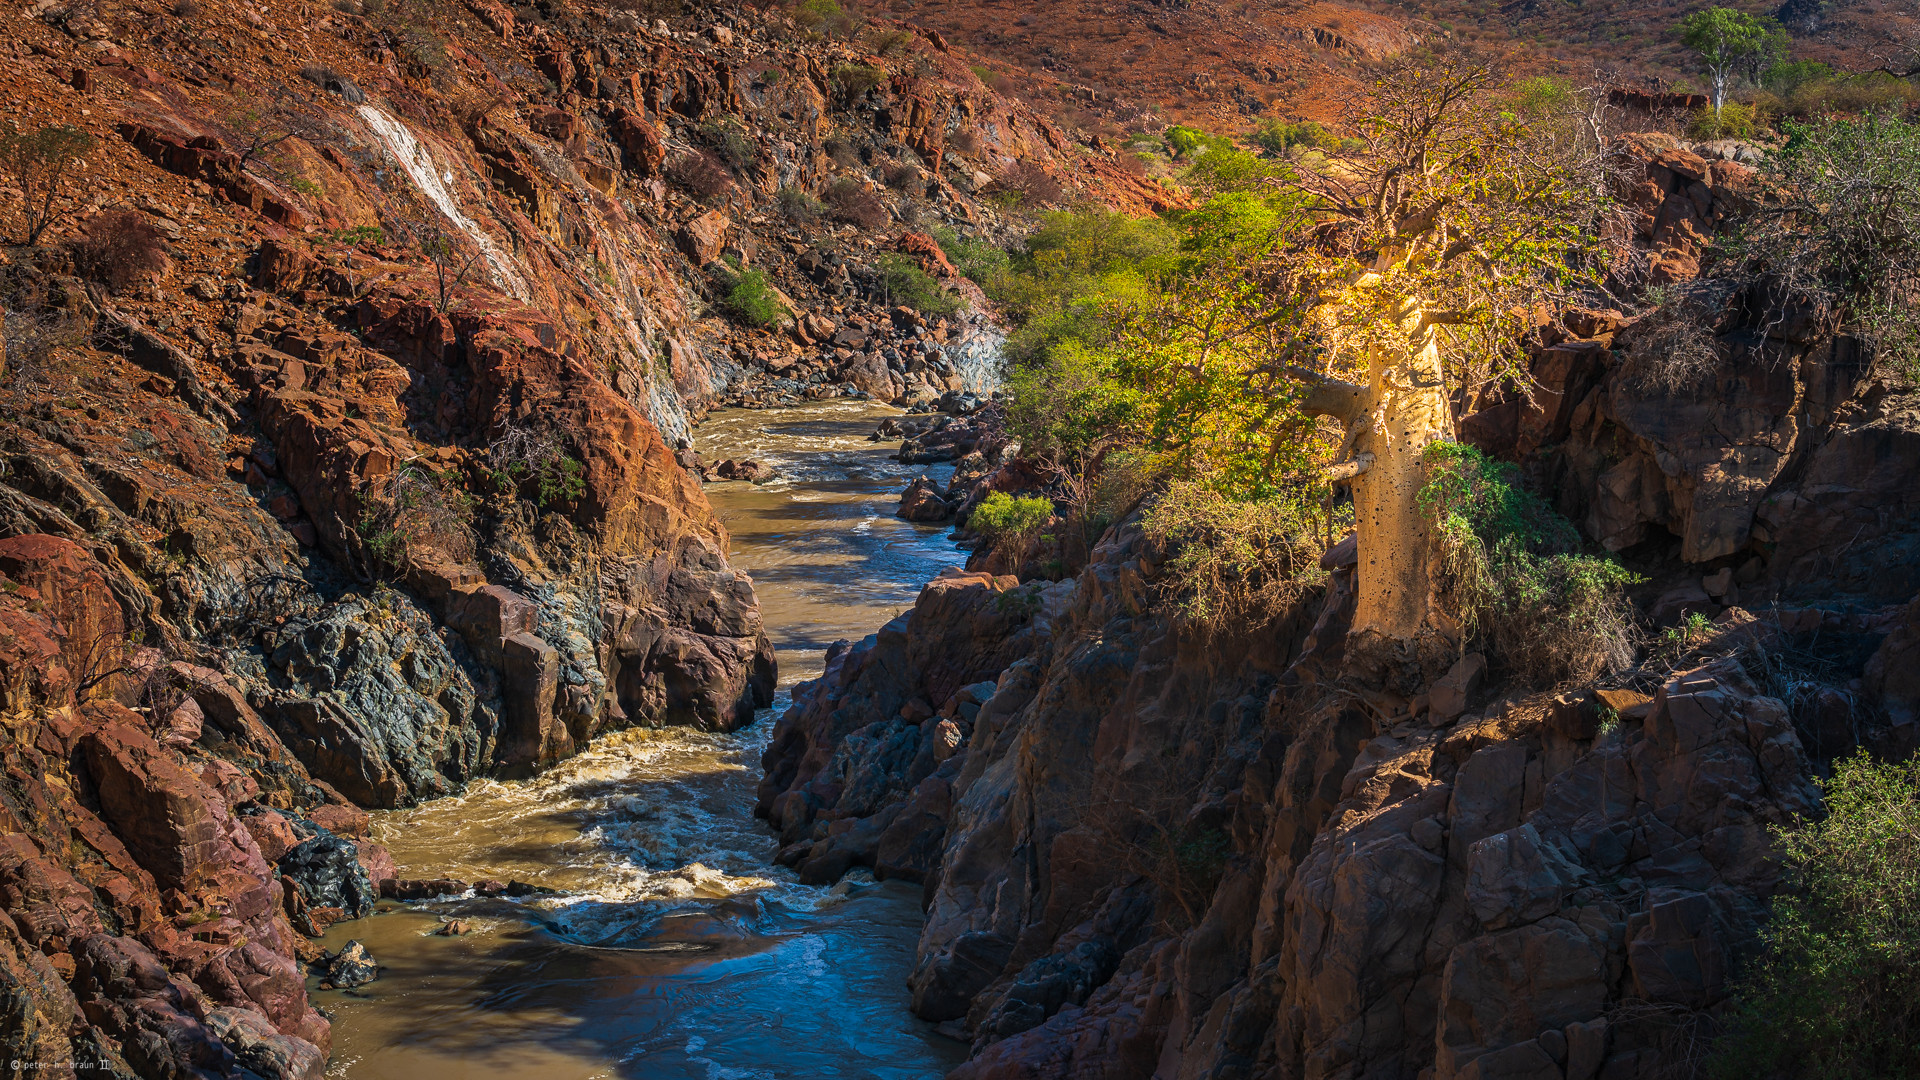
328, 871
351, 967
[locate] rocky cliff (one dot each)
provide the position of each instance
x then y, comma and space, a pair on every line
1147, 851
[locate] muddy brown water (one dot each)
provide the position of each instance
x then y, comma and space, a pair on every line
672, 947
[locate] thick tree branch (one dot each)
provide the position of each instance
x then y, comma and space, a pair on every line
1347, 470
1344, 401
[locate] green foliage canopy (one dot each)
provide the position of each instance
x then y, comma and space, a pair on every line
1726, 40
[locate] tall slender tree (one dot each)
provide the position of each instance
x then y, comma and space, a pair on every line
1727, 40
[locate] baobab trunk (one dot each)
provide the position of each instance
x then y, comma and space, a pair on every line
1390, 422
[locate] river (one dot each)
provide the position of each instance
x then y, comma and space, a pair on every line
673, 947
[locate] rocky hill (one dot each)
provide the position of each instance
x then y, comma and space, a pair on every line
1121, 67
340, 455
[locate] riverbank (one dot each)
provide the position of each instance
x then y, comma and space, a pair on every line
672, 945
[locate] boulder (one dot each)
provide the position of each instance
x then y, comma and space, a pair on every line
328, 871
351, 967
921, 502
1450, 696
754, 472
703, 238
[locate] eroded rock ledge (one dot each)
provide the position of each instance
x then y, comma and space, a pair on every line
1148, 855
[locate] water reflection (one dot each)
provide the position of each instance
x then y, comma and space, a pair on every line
671, 947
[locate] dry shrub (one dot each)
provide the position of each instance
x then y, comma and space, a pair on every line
966, 141
701, 173
32, 334
901, 175
855, 80
890, 42
120, 249
797, 205
848, 200
1157, 826
1032, 182
1672, 346
1234, 566
413, 510
841, 152
731, 142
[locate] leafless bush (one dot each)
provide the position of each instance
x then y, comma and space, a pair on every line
413, 510
849, 200
185, 9
901, 175
1149, 825
119, 248
966, 141
1031, 181
1672, 346
32, 337
146, 683
841, 152
701, 173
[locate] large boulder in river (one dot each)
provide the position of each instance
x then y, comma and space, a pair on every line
922, 502
754, 472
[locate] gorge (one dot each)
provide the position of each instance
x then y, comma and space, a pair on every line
778, 540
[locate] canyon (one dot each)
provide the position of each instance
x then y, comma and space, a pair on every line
357, 552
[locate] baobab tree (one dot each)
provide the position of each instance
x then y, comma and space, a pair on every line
1458, 218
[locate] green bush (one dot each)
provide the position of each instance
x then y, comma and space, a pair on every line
1788, 76
1188, 143
980, 261
754, 300
1277, 136
905, 283
561, 480
1510, 567
1543, 96
1734, 121
1839, 243
1836, 992
1010, 522
1235, 564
